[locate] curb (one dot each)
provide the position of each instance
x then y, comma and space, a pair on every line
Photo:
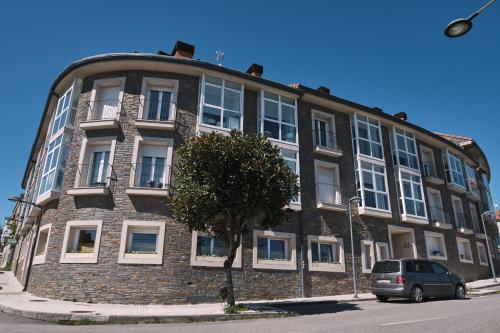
306, 301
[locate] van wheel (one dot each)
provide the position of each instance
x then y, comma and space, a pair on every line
416, 294
460, 292
382, 298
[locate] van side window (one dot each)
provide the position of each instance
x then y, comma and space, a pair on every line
438, 269
417, 266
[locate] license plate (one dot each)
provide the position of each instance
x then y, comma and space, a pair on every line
384, 281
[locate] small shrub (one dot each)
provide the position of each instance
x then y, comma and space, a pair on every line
223, 294
234, 309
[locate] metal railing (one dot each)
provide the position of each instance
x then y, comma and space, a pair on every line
95, 175
325, 139
104, 109
439, 215
430, 170
460, 220
151, 175
156, 110
331, 194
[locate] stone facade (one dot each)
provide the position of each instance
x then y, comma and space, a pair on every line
176, 281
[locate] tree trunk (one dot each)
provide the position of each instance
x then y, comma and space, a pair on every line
228, 264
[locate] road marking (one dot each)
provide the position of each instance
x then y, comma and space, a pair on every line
412, 321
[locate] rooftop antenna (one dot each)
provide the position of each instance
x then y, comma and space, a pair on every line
219, 55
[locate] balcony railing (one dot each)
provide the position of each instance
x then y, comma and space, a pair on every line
330, 194
104, 109
325, 139
439, 215
430, 170
155, 110
460, 220
95, 175
151, 175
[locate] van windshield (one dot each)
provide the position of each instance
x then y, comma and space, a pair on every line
386, 267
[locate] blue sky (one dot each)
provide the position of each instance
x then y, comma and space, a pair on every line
387, 53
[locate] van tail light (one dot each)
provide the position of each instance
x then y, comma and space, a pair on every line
400, 279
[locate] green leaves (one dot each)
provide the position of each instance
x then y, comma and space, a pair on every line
224, 182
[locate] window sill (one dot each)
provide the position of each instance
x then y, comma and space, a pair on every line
414, 219
473, 196
334, 267
456, 188
483, 263
168, 125
99, 124
374, 212
442, 225
288, 265
331, 206
443, 258
213, 262
466, 261
38, 260
47, 197
89, 191
434, 180
78, 258
480, 235
141, 259
294, 206
154, 192
203, 128
465, 231
328, 151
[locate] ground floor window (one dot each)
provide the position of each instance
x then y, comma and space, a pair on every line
367, 256
42, 244
142, 242
274, 250
382, 250
464, 250
483, 256
211, 252
325, 253
81, 242
436, 248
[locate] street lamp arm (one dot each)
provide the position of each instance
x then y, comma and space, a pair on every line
480, 10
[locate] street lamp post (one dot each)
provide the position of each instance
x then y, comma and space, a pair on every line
354, 200
460, 27
486, 215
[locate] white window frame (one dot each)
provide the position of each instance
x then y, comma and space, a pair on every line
365, 242
326, 267
168, 85
449, 157
329, 119
402, 198
483, 246
105, 83
211, 261
85, 154
407, 136
290, 242
206, 127
59, 113
382, 246
472, 185
142, 259
391, 228
40, 259
262, 117
467, 242
355, 119
366, 209
441, 240
165, 142
475, 218
334, 167
427, 150
439, 205
81, 258
294, 204
51, 153
457, 199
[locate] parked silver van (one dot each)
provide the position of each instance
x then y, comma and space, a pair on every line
415, 279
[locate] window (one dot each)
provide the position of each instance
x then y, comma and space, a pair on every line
419, 266
325, 253
81, 242
142, 242
211, 252
324, 130
274, 250
278, 117
410, 193
382, 251
367, 256
436, 248
222, 103
42, 244
372, 184
483, 256
436, 206
453, 167
106, 99
367, 137
464, 250
428, 162
50, 166
475, 218
458, 212
471, 180
291, 159
62, 110
404, 149
328, 189
438, 269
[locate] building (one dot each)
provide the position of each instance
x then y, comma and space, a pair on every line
100, 168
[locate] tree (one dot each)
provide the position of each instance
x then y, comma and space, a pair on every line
226, 183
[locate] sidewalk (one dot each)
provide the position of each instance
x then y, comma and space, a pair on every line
13, 301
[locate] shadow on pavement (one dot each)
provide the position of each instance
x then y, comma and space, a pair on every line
313, 308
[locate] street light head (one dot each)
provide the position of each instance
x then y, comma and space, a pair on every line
14, 199
458, 28
355, 200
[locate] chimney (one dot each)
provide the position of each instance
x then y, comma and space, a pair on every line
401, 115
255, 70
324, 90
183, 50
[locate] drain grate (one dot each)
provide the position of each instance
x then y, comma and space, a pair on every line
1, 287
2, 272
38, 300
81, 311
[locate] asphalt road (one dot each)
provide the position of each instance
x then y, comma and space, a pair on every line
479, 314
